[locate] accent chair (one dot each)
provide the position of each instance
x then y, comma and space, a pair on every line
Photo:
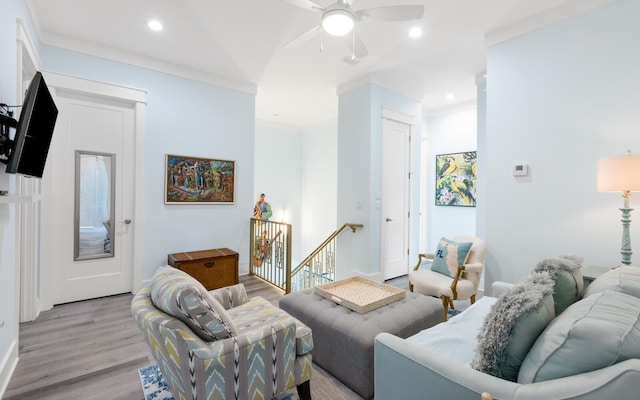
461, 284
219, 344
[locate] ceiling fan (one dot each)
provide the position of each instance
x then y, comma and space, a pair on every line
339, 19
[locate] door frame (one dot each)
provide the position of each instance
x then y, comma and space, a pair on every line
425, 192
26, 235
409, 120
137, 99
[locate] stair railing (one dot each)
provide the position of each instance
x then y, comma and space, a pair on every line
320, 266
270, 244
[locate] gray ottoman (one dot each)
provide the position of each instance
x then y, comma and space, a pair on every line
343, 339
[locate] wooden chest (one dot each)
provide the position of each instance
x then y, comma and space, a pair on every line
213, 268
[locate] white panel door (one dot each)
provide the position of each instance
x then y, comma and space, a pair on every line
91, 124
395, 198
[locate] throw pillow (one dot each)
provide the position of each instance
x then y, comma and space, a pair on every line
513, 325
569, 285
181, 296
449, 256
593, 333
622, 279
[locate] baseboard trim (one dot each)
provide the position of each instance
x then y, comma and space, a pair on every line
8, 366
377, 276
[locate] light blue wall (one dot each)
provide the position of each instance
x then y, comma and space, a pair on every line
360, 169
278, 175
449, 133
559, 99
319, 185
297, 171
354, 182
183, 117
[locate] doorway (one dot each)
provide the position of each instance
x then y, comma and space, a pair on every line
395, 224
96, 133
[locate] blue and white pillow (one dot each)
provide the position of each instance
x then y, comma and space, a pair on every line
181, 296
449, 256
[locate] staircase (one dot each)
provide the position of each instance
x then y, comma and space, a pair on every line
320, 266
270, 244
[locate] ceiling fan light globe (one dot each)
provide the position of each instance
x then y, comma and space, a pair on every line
337, 22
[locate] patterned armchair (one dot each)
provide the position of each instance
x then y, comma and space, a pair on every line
218, 344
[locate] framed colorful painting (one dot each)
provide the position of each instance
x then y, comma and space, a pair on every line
456, 179
195, 180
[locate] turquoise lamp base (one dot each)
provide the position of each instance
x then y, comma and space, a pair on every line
625, 251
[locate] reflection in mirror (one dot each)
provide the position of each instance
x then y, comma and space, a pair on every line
94, 205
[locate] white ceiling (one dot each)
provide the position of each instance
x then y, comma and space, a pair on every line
238, 43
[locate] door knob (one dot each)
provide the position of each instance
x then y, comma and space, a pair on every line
388, 219
127, 221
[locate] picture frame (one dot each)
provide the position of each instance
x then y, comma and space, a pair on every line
456, 179
198, 180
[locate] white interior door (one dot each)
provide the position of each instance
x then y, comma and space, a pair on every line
91, 124
395, 198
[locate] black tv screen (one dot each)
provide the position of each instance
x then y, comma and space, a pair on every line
34, 130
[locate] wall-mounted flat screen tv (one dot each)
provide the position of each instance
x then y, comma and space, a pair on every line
34, 130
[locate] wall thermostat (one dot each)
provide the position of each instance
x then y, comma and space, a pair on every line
520, 170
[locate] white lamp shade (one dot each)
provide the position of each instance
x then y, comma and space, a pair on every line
617, 174
337, 22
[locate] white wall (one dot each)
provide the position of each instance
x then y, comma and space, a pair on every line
278, 174
559, 99
481, 218
450, 133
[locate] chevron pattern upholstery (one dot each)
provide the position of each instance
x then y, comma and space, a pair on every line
268, 354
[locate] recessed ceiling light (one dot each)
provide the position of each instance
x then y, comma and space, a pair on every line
415, 32
449, 96
155, 25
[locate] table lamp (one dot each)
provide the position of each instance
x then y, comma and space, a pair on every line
621, 174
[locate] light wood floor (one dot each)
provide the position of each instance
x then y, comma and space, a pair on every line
93, 349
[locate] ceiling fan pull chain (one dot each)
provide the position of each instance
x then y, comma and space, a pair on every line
321, 41
353, 48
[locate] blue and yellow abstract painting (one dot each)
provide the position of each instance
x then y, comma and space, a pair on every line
456, 179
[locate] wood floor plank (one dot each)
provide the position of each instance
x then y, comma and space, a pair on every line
93, 349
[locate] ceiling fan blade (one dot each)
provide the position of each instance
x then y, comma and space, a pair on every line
306, 4
390, 13
360, 50
302, 38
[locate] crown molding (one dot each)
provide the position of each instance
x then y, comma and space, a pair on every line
354, 84
564, 11
126, 57
278, 125
375, 79
328, 124
436, 112
34, 18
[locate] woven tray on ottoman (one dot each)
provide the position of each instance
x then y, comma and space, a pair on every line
360, 294
343, 339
